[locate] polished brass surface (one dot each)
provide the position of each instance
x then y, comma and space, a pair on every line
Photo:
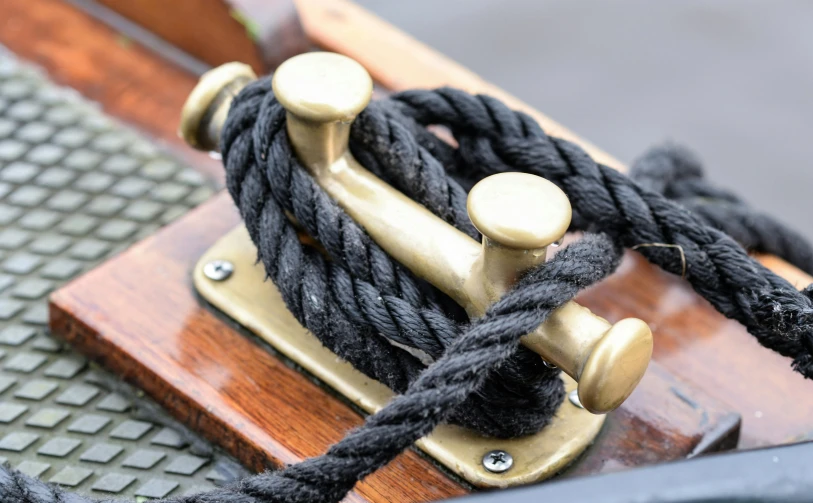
506, 208
256, 304
322, 87
607, 360
206, 108
518, 214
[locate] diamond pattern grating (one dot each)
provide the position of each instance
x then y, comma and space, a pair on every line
75, 189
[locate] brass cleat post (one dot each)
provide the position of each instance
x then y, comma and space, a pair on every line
519, 216
206, 108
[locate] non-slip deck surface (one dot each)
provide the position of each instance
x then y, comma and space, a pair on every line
76, 188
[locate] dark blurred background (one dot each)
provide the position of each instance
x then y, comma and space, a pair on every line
732, 79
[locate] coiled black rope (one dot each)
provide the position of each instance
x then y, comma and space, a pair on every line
361, 295
363, 291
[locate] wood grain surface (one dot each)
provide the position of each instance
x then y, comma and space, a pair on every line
698, 345
138, 315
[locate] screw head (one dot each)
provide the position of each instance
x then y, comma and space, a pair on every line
573, 396
218, 270
498, 461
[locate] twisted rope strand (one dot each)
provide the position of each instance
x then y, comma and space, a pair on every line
677, 173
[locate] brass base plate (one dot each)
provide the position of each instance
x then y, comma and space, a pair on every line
257, 305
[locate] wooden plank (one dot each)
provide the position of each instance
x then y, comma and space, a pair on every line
206, 30
663, 420
271, 34
131, 83
278, 30
138, 315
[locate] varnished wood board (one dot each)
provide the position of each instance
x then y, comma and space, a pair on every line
699, 345
207, 30
138, 315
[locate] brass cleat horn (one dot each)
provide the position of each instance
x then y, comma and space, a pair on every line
519, 216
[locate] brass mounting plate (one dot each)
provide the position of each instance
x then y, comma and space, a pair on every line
257, 305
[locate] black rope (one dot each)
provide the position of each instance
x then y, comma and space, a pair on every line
361, 301
677, 173
493, 138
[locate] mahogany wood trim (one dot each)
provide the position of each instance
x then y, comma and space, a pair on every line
205, 29
700, 346
399, 62
278, 30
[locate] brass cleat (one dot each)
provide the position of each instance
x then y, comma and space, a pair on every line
519, 216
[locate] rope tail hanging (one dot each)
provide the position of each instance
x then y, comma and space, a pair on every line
360, 300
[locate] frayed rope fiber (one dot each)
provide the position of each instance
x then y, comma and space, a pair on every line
360, 301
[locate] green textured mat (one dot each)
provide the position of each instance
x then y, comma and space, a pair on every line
75, 189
